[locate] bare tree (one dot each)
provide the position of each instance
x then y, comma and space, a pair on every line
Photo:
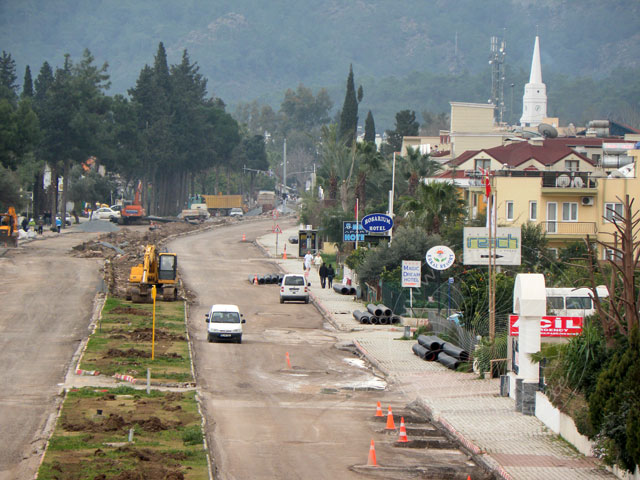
619, 312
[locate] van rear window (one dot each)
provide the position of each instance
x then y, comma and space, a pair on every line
296, 281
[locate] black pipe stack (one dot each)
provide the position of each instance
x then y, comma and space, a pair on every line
432, 348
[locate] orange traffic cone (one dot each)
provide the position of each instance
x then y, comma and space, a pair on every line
244, 237
379, 410
288, 361
390, 423
372, 455
284, 255
255, 279
403, 432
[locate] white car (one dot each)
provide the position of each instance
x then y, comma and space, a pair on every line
236, 212
105, 213
224, 322
294, 287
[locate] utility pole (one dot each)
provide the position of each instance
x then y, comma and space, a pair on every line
391, 194
284, 175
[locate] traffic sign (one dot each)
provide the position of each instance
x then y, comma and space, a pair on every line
277, 229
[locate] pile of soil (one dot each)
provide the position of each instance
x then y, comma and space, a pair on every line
125, 248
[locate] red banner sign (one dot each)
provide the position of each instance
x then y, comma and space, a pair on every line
550, 326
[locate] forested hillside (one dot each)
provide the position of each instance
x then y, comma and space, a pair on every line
252, 49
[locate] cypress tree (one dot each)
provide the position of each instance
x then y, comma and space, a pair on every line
349, 114
8, 85
27, 87
43, 83
369, 128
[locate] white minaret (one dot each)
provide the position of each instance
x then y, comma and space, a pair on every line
534, 102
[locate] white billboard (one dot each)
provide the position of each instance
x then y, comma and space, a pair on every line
411, 273
506, 246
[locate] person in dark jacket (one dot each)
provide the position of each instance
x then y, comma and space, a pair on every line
330, 274
323, 275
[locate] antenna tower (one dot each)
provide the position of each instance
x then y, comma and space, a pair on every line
498, 54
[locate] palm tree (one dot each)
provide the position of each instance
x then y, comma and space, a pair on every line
415, 166
435, 203
369, 161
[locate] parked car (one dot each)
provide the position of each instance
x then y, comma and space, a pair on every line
294, 287
224, 322
236, 212
293, 239
105, 213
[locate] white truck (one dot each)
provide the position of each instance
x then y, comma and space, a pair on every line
224, 322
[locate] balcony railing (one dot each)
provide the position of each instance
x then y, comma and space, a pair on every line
570, 228
555, 179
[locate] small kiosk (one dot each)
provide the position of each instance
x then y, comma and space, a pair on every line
307, 240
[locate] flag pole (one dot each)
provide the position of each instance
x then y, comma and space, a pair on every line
357, 228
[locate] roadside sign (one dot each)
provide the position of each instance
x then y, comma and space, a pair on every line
411, 273
351, 230
440, 257
377, 223
277, 229
507, 244
550, 326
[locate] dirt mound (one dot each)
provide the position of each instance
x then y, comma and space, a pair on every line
173, 396
132, 352
145, 335
130, 311
152, 424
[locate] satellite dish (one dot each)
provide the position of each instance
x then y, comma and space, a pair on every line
563, 181
547, 131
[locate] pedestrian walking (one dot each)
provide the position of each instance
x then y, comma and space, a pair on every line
317, 261
323, 275
58, 224
330, 274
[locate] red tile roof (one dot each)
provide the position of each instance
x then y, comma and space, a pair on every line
517, 153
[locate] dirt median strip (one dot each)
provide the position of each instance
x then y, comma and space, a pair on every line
123, 433
122, 343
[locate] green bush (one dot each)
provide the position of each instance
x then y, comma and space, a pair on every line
192, 435
614, 406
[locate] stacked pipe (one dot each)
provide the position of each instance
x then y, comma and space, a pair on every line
343, 289
432, 348
269, 278
376, 315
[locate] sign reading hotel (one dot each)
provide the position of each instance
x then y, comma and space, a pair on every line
411, 273
351, 231
377, 223
506, 246
550, 326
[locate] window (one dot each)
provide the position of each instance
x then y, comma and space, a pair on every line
555, 303
509, 213
596, 158
553, 252
569, 212
613, 211
571, 165
610, 254
483, 163
579, 303
533, 210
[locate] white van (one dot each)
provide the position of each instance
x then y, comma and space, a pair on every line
294, 287
224, 322
573, 302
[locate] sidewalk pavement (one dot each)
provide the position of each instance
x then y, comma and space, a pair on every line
515, 446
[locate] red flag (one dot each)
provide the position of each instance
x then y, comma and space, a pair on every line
356, 210
487, 183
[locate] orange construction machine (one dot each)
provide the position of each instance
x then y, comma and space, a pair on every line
134, 213
9, 228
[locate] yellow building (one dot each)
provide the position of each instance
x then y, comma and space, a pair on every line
566, 192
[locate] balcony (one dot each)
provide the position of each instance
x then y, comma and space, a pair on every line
570, 229
572, 182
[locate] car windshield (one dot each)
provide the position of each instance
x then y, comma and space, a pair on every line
225, 317
297, 281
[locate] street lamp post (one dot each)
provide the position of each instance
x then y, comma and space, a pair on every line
391, 194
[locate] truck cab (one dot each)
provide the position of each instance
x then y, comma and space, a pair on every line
224, 322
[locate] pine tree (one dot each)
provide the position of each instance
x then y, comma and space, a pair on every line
8, 85
349, 115
27, 87
369, 128
43, 83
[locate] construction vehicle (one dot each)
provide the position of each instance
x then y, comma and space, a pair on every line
222, 204
197, 210
9, 228
159, 269
133, 213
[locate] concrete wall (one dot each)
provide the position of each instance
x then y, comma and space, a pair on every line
562, 424
471, 117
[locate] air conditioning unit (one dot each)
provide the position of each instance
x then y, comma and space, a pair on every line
587, 201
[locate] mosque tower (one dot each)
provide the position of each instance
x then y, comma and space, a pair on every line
534, 102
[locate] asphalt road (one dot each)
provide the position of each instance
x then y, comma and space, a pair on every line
266, 420
46, 299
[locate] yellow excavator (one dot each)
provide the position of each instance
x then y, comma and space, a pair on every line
159, 269
9, 228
